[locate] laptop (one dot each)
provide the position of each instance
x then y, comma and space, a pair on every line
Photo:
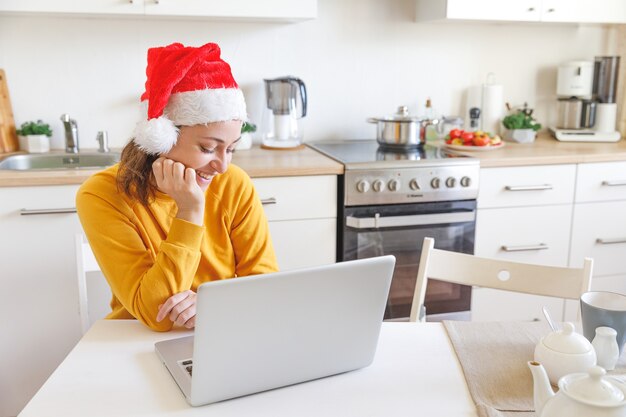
267, 331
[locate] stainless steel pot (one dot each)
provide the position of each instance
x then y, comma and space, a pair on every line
401, 130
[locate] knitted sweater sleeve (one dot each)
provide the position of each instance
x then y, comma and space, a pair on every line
140, 277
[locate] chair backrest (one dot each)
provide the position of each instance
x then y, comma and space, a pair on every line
93, 294
498, 274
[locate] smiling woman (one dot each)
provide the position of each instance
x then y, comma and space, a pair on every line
174, 213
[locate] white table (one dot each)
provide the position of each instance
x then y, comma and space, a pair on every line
114, 371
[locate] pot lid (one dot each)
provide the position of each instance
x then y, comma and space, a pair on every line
592, 388
402, 115
567, 340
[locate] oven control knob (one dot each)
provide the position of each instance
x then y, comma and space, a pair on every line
363, 186
435, 182
414, 184
450, 182
378, 185
466, 182
394, 185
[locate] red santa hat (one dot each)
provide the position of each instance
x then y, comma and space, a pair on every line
186, 86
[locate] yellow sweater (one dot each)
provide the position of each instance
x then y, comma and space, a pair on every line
147, 255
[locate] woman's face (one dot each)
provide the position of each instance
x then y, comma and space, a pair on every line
206, 148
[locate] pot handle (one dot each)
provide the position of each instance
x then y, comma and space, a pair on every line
372, 120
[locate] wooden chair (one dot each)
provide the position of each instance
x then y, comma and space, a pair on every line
498, 274
94, 293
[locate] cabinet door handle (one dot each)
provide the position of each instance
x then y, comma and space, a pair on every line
531, 9
614, 183
31, 212
268, 201
521, 248
610, 241
551, 10
528, 187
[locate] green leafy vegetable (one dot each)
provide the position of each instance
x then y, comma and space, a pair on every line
35, 128
520, 120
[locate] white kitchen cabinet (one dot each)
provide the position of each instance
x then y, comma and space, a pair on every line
302, 214
266, 10
549, 11
39, 308
524, 214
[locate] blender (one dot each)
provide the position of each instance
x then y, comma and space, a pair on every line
286, 101
587, 111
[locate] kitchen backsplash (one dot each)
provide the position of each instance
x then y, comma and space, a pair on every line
359, 58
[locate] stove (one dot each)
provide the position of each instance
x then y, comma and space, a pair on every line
376, 175
390, 200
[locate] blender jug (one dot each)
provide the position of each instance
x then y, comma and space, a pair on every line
286, 102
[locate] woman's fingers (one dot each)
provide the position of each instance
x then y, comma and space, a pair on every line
181, 309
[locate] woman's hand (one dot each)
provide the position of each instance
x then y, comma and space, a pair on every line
179, 182
181, 309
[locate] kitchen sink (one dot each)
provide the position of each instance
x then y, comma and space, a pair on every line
53, 161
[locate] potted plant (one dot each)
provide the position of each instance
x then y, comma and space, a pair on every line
35, 136
520, 126
247, 129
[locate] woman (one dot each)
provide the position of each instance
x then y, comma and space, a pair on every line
174, 213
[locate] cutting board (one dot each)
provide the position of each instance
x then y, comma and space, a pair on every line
8, 136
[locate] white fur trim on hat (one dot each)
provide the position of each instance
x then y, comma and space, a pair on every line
156, 136
197, 107
190, 108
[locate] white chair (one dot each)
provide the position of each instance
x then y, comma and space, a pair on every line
499, 274
94, 293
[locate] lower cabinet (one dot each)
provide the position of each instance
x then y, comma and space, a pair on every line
39, 311
538, 235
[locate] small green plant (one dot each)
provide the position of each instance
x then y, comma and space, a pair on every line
521, 119
248, 127
34, 128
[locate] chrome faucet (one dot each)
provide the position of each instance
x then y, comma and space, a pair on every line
71, 133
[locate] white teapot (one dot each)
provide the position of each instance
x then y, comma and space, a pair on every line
589, 394
564, 352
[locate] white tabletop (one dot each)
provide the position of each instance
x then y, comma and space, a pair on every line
114, 371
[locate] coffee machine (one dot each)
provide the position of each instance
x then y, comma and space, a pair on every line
286, 101
587, 109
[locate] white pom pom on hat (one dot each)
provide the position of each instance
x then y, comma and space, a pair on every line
185, 86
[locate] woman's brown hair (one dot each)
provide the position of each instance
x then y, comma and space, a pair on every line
135, 176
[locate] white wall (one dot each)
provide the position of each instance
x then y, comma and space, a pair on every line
359, 58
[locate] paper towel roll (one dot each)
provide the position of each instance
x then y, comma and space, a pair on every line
492, 108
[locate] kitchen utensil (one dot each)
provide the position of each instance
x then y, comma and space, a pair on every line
603, 308
605, 345
401, 130
587, 394
564, 352
569, 113
8, 135
286, 103
548, 318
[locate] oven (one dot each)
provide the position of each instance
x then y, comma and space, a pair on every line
399, 230
388, 202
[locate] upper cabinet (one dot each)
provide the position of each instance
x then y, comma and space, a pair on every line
262, 10
562, 11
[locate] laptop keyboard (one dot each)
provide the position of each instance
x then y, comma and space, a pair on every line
188, 365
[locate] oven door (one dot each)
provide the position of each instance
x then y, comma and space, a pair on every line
399, 230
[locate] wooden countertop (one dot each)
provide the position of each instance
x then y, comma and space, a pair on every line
256, 162
546, 150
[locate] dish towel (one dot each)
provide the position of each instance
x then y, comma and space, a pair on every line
493, 356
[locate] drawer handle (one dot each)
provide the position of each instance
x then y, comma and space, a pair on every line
267, 201
610, 241
30, 212
521, 248
614, 183
528, 187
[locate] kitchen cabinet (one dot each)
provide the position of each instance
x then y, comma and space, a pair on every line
524, 214
302, 214
266, 10
39, 310
555, 11
598, 229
